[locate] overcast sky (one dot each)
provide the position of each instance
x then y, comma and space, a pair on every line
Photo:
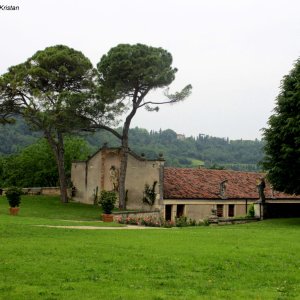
233, 52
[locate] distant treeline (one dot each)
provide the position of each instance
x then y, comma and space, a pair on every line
203, 150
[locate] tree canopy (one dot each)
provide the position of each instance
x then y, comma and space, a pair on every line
52, 90
282, 160
127, 73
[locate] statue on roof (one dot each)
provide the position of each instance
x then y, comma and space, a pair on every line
261, 189
223, 186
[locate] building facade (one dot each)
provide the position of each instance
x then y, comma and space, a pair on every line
101, 172
196, 193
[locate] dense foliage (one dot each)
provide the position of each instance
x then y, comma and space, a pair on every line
282, 148
35, 166
203, 150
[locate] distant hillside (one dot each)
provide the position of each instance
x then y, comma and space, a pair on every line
15, 137
211, 152
204, 150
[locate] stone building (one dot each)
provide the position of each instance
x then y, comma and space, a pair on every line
101, 172
194, 193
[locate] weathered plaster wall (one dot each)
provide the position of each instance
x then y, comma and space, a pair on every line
201, 209
138, 174
109, 158
198, 212
93, 177
78, 180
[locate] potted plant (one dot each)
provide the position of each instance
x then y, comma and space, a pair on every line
13, 196
107, 201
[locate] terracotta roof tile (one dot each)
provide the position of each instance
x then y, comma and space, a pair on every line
187, 183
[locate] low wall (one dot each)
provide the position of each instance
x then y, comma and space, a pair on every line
50, 191
136, 214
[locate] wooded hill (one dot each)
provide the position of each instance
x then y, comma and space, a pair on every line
203, 150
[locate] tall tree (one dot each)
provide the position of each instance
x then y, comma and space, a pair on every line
50, 90
282, 150
127, 74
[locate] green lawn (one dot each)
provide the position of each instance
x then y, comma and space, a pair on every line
49, 210
250, 261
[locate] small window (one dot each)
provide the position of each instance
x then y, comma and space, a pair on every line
231, 210
220, 210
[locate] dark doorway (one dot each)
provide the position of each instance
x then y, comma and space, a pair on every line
220, 208
168, 212
231, 210
283, 210
180, 210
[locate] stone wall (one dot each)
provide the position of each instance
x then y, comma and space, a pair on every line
136, 214
49, 191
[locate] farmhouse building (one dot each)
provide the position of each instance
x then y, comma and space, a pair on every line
193, 192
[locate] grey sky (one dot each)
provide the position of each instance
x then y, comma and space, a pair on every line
233, 52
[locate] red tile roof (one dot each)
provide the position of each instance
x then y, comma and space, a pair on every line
184, 183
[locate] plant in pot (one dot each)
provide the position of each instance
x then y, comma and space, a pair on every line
13, 196
107, 201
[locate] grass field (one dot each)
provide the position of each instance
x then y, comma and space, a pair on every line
197, 162
250, 261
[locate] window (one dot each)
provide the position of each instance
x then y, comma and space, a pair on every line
220, 210
231, 210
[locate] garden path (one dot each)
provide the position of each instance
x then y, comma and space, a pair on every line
128, 227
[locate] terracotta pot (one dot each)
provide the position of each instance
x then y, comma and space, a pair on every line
14, 210
107, 218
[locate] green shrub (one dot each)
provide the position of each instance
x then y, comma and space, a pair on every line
149, 194
107, 201
13, 196
192, 222
184, 222
205, 222
251, 212
181, 221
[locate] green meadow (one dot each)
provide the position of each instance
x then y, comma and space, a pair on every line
247, 261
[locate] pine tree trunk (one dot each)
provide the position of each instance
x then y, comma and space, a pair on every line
123, 170
124, 159
62, 177
58, 150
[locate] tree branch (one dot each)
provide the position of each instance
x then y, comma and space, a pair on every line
114, 132
157, 103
